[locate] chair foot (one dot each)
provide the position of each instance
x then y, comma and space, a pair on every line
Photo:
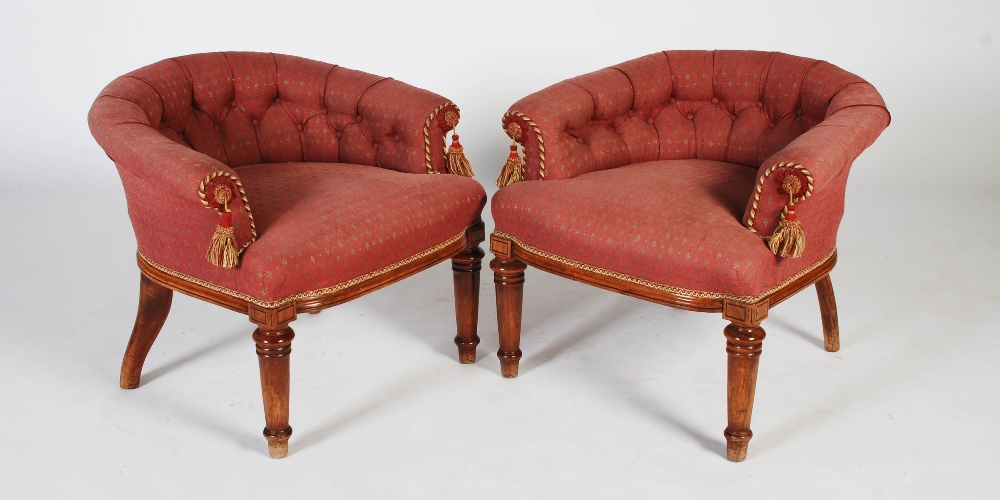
508, 275
509, 363
736, 445
277, 446
466, 352
154, 306
828, 311
465, 268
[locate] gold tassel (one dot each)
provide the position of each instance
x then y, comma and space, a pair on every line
788, 240
222, 251
513, 170
456, 163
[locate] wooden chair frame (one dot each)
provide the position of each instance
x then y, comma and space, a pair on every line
274, 337
744, 335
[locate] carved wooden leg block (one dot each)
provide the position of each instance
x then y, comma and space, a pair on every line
508, 275
154, 306
465, 268
828, 310
274, 337
743, 344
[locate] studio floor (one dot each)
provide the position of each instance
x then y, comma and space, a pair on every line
617, 398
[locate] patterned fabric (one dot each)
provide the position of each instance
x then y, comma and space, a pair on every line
734, 106
260, 118
828, 150
745, 108
243, 108
671, 222
321, 224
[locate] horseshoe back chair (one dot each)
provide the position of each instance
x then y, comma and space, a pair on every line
689, 179
273, 185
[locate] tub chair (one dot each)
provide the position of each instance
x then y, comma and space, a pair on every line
711, 181
273, 185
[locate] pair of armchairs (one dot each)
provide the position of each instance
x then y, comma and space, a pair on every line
274, 185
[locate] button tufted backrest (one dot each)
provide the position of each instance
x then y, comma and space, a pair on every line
734, 106
244, 108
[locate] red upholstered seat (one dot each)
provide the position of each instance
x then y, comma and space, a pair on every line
321, 225
673, 223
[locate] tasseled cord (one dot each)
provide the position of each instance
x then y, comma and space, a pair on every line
513, 170
222, 252
788, 240
456, 161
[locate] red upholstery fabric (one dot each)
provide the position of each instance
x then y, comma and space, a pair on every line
169, 125
242, 108
827, 150
321, 224
747, 108
670, 222
734, 106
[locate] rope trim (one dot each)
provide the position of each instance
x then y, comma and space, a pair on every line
302, 295
667, 288
538, 134
760, 186
428, 164
243, 195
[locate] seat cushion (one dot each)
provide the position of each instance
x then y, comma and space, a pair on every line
321, 225
674, 225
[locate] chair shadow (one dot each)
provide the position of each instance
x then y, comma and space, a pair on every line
619, 308
625, 306
662, 414
818, 342
342, 420
164, 405
158, 372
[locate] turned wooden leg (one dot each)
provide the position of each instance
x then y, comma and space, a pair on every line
828, 309
154, 306
743, 343
465, 267
508, 275
274, 346
744, 337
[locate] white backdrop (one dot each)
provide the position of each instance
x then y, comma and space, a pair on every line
617, 398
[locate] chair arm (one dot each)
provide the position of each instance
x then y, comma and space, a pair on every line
553, 127
167, 184
407, 126
854, 120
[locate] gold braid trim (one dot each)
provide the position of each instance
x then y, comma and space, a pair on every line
302, 295
243, 195
538, 135
760, 185
428, 164
659, 286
